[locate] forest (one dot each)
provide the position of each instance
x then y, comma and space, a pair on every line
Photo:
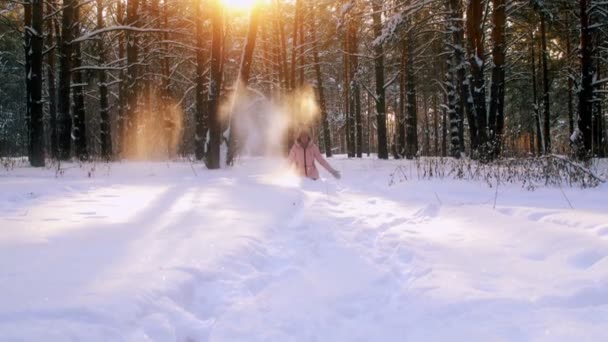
158, 79
303, 170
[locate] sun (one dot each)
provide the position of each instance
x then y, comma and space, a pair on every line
239, 5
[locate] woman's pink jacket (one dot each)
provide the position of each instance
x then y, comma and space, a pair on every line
303, 158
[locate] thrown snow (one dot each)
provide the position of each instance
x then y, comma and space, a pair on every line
162, 252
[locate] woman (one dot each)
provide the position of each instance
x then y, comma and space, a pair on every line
303, 154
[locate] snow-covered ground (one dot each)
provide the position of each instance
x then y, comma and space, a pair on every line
170, 252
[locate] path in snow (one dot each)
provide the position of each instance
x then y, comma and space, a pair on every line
153, 252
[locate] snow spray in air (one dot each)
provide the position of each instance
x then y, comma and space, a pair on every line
153, 130
262, 127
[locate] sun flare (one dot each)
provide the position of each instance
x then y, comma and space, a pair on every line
239, 5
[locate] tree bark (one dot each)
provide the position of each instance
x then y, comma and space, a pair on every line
585, 94
200, 124
546, 103
320, 89
570, 81
79, 131
64, 127
105, 133
295, 43
400, 121
36, 133
122, 85
379, 76
477, 63
539, 133
215, 85
411, 121
51, 79
356, 131
435, 127
497, 101
132, 83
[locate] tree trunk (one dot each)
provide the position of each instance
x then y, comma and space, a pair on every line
79, 132
355, 92
400, 122
411, 121
320, 90
215, 86
585, 94
535, 106
294, 48
435, 127
243, 82
27, 47
301, 42
477, 62
200, 126
379, 76
462, 102
570, 80
598, 135
546, 103
283, 48
444, 129
64, 127
122, 85
132, 83
497, 102
51, 80
105, 133
36, 132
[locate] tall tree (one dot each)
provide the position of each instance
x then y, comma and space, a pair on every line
215, 85
79, 131
52, 30
380, 98
411, 119
132, 85
320, 89
200, 119
64, 127
105, 133
585, 95
546, 99
497, 102
477, 64
34, 33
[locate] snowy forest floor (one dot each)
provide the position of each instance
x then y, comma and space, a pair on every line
144, 251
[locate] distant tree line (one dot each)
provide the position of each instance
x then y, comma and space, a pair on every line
403, 78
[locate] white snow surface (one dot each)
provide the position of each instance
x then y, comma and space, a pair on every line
152, 251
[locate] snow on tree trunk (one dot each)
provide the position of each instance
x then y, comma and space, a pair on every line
215, 85
546, 99
379, 76
585, 110
105, 135
320, 90
497, 101
36, 137
64, 127
477, 65
200, 131
411, 120
52, 38
79, 129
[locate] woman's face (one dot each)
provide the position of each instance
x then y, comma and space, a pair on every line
304, 138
